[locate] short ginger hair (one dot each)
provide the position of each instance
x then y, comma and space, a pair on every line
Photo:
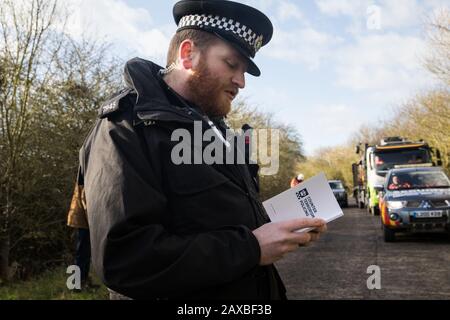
202, 40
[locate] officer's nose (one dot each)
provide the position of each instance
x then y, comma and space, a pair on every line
239, 79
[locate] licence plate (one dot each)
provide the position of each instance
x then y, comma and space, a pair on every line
428, 214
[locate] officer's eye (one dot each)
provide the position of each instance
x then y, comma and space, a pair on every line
231, 64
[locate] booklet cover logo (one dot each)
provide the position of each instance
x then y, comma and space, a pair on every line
306, 203
302, 193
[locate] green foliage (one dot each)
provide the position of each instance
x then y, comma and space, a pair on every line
51, 285
335, 162
50, 90
61, 115
424, 117
438, 37
290, 147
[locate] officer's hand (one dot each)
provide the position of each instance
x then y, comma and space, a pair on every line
278, 238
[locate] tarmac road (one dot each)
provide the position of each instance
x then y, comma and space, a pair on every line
335, 267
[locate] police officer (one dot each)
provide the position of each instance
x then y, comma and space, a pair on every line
161, 229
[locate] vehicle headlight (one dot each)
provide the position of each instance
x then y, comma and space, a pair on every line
395, 204
394, 217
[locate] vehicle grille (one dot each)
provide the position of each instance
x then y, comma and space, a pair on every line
434, 204
441, 220
439, 203
413, 204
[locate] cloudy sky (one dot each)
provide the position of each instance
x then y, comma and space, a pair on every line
332, 65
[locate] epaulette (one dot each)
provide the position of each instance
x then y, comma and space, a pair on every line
112, 105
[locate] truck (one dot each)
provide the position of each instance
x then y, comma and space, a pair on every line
376, 160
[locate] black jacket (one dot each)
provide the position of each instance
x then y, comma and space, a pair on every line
160, 230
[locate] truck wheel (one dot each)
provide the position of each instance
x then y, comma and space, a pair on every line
389, 234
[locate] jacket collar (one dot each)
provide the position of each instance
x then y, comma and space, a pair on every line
142, 76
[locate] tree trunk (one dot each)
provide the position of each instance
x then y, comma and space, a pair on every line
4, 258
4, 236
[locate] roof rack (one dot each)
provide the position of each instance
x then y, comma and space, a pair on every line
399, 141
418, 165
390, 140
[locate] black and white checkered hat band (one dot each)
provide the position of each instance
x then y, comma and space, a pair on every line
223, 23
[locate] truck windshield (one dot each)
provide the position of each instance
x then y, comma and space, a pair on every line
336, 185
387, 160
418, 180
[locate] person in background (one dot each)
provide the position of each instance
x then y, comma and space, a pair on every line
297, 180
77, 219
398, 184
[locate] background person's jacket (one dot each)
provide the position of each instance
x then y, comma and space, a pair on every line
76, 217
160, 230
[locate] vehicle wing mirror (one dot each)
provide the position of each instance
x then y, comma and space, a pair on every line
378, 188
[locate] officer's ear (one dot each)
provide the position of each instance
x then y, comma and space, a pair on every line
186, 53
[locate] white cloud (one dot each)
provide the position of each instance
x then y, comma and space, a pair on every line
408, 13
288, 10
307, 46
395, 14
401, 13
354, 10
334, 119
131, 30
263, 5
382, 62
326, 125
390, 63
343, 7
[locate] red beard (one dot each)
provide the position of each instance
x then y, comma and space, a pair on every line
207, 92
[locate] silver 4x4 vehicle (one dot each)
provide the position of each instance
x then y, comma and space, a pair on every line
415, 200
339, 192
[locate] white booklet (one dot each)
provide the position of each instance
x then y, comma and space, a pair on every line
312, 198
